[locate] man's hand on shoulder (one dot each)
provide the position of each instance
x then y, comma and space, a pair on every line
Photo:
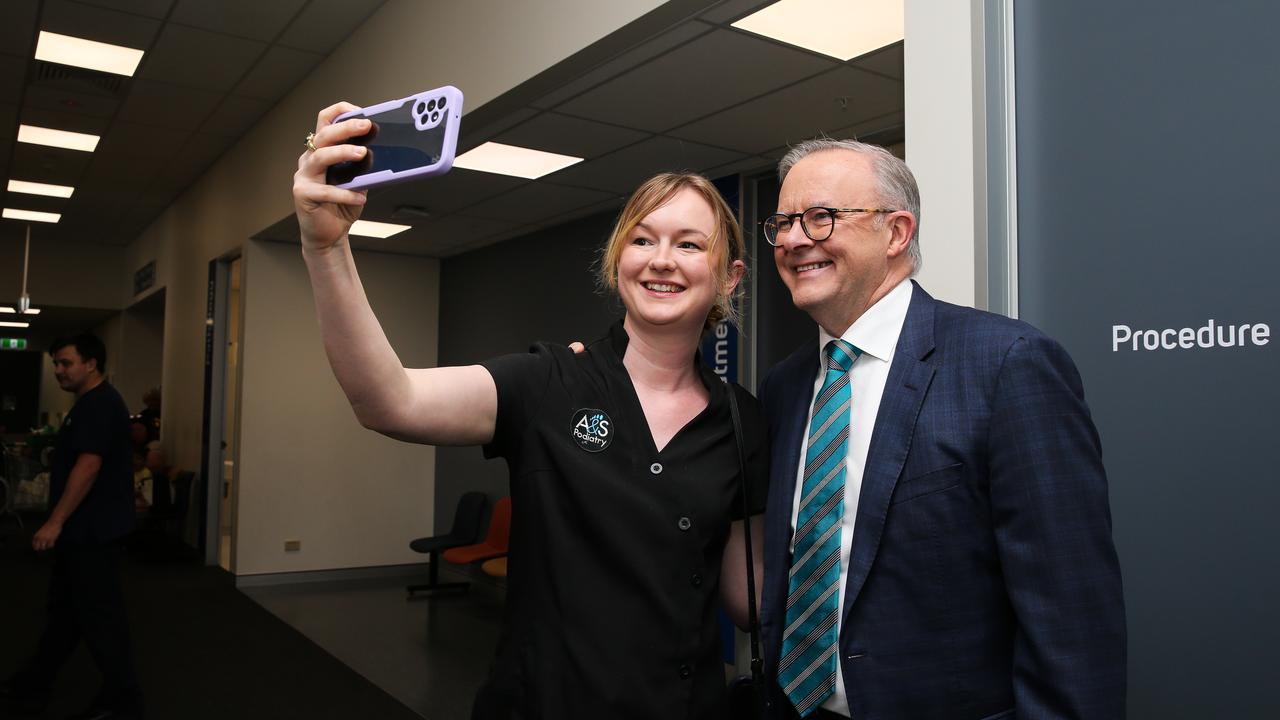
46, 536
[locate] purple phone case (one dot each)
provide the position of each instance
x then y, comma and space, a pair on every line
434, 128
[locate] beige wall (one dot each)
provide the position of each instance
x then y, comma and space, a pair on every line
86, 275
307, 470
943, 119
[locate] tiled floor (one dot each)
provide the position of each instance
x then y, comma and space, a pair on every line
429, 653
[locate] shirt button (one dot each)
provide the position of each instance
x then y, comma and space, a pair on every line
696, 580
684, 523
685, 672
656, 468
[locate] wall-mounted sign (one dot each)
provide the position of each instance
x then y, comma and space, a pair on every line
144, 277
13, 344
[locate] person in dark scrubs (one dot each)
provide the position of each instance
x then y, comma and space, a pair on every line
627, 524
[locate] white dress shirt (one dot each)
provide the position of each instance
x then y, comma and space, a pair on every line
876, 335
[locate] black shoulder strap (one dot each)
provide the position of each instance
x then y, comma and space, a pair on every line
753, 620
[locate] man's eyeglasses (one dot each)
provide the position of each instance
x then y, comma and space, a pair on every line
817, 222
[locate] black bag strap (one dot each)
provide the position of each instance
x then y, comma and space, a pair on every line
753, 620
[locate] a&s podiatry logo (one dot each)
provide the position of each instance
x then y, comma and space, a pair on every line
591, 429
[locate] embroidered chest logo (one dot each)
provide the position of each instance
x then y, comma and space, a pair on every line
591, 429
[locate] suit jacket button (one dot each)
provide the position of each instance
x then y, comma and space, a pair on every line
656, 468
684, 523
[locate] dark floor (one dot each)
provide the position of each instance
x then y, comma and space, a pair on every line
205, 650
430, 653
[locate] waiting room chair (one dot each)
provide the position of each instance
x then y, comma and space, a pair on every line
496, 567
465, 531
495, 542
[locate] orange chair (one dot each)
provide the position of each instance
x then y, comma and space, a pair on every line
496, 567
495, 542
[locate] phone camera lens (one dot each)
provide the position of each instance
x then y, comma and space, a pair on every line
431, 105
420, 108
435, 116
441, 104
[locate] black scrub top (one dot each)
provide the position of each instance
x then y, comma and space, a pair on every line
98, 423
612, 585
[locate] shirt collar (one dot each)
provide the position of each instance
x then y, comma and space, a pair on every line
876, 332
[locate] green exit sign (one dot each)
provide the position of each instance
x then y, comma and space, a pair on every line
13, 344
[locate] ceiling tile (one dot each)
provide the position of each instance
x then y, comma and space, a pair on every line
46, 164
277, 73
64, 120
473, 135
195, 157
442, 195
434, 237
234, 116
94, 102
624, 62
536, 202
13, 71
325, 23
734, 10
720, 69
166, 105
17, 32
150, 8
131, 143
567, 135
246, 18
832, 100
98, 24
622, 171
887, 60
8, 129
201, 59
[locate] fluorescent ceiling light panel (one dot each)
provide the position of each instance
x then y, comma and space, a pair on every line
493, 157
15, 324
35, 188
843, 29
369, 228
31, 215
68, 50
32, 311
8, 310
57, 138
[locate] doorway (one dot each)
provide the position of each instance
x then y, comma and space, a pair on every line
224, 321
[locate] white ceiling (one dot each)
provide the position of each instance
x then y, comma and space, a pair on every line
678, 89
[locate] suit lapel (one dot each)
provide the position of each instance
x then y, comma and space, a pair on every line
904, 393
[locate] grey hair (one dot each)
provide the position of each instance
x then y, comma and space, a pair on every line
896, 185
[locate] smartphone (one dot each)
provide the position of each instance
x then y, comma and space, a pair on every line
411, 138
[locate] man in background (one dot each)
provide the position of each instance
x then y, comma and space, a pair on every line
91, 493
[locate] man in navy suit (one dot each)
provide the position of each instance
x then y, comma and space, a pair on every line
970, 570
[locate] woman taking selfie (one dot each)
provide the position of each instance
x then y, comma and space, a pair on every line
627, 510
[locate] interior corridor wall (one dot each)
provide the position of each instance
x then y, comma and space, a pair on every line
64, 274
308, 471
501, 299
399, 50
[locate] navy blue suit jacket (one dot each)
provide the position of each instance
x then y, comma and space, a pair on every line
983, 582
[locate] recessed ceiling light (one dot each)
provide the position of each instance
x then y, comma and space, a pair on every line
839, 28
35, 188
15, 324
32, 311
68, 50
8, 310
493, 157
57, 138
31, 215
369, 228
13, 311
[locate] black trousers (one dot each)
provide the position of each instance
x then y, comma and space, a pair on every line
85, 603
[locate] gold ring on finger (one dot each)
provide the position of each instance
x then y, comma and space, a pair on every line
311, 141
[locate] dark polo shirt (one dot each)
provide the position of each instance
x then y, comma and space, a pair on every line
615, 547
98, 423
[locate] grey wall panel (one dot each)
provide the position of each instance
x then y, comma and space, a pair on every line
1148, 169
503, 298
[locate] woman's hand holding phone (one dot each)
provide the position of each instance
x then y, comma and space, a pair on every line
325, 213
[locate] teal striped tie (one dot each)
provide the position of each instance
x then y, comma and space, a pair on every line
807, 671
